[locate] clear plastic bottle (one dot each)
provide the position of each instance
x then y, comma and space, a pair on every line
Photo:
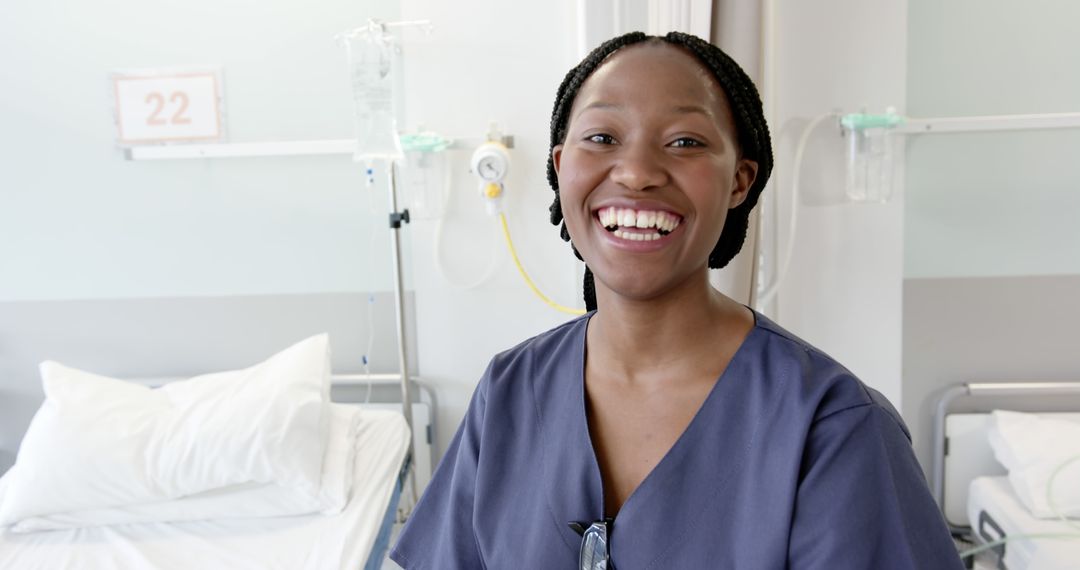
869, 156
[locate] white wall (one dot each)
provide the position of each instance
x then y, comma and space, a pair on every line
77, 221
844, 289
487, 61
993, 204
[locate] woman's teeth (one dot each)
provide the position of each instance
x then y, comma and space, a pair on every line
636, 236
616, 220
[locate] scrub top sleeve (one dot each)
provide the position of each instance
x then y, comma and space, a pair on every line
439, 532
862, 500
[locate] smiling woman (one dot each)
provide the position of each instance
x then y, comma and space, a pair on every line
650, 132
670, 427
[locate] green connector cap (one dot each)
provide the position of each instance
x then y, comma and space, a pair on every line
862, 121
424, 142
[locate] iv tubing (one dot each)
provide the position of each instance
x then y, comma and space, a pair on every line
370, 172
1050, 494
989, 545
766, 296
517, 262
441, 265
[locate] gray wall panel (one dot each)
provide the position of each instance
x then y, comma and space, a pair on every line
985, 329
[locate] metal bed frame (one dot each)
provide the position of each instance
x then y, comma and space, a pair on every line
984, 397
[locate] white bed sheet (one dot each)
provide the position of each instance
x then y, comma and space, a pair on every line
313, 542
995, 496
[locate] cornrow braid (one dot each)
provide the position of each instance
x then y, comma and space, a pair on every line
752, 133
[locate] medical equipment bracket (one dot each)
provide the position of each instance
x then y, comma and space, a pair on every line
270, 148
989, 123
397, 218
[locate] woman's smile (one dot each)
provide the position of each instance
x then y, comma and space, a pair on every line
626, 221
637, 228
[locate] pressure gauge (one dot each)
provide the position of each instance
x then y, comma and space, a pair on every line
491, 162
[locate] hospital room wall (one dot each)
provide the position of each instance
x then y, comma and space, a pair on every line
970, 272
79, 222
175, 268
842, 292
487, 61
992, 243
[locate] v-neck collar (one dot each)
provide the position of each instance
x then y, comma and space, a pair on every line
711, 447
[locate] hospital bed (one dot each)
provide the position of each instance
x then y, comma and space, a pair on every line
356, 536
973, 489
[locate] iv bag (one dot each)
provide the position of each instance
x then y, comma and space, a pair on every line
371, 53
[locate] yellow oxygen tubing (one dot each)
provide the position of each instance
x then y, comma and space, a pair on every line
517, 262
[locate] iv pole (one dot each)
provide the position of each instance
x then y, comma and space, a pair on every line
396, 219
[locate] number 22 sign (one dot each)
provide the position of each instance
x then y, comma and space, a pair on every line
168, 106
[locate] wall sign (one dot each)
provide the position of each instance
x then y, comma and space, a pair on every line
159, 106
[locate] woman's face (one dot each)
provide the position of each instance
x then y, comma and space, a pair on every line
649, 169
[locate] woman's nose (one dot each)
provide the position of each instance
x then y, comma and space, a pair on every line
639, 168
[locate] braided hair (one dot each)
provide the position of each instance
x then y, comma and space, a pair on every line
742, 97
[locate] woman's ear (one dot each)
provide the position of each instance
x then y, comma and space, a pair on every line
745, 174
556, 157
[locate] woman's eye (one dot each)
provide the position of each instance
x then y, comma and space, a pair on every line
686, 142
601, 139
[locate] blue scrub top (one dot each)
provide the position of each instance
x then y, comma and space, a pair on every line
791, 462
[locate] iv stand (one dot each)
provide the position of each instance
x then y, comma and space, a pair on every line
396, 219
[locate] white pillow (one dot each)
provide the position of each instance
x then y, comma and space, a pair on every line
97, 442
251, 500
1032, 448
